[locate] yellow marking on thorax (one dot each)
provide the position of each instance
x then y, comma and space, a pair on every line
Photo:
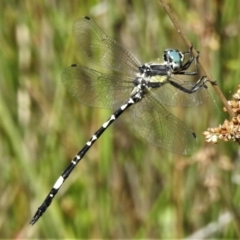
158, 79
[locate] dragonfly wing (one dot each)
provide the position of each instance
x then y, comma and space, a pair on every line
96, 89
101, 49
159, 127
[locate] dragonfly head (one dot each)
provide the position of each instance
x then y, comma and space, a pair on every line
173, 58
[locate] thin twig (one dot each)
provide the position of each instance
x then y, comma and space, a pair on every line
195, 53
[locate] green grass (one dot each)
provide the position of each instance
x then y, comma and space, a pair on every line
123, 188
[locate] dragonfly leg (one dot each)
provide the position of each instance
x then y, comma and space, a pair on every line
189, 62
199, 84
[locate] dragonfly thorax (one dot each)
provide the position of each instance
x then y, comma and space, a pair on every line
154, 69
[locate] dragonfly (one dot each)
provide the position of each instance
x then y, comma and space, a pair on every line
147, 88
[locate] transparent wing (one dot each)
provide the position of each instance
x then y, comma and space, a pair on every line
101, 49
96, 89
172, 96
159, 127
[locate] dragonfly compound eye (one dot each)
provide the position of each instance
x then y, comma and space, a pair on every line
175, 59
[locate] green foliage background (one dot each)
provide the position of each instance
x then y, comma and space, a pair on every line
123, 188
